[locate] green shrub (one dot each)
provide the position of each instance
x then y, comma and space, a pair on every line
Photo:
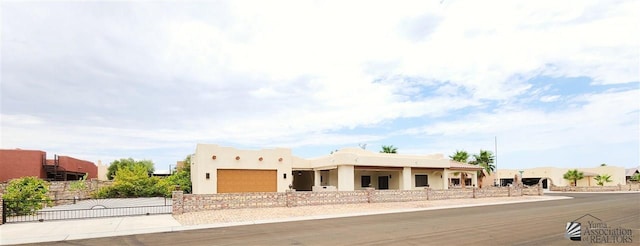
181, 178
635, 177
134, 181
26, 195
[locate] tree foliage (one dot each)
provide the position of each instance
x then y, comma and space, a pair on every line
460, 156
134, 181
573, 176
389, 149
484, 159
26, 195
635, 177
128, 163
182, 177
602, 179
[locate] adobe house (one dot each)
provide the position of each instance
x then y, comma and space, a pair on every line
217, 169
554, 175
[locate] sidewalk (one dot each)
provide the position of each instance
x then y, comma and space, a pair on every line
34, 232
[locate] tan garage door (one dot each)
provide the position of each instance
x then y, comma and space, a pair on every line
230, 181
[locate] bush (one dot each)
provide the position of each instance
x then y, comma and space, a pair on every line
134, 181
181, 178
26, 195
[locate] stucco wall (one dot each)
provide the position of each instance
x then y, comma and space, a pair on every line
103, 169
357, 156
556, 175
76, 165
394, 180
434, 177
21, 163
203, 162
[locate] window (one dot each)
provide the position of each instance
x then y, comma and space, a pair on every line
422, 181
365, 181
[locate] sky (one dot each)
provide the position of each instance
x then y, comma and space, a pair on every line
545, 83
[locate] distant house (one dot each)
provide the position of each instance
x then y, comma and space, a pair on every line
217, 169
17, 163
554, 175
161, 173
629, 172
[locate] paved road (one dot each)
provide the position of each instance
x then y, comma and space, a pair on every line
539, 223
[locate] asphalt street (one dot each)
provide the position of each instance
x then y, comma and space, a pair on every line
538, 223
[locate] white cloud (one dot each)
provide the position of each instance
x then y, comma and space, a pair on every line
607, 118
550, 98
139, 76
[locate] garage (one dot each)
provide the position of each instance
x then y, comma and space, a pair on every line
241, 180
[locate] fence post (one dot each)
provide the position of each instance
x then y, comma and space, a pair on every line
428, 191
509, 190
177, 200
539, 186
290, 198
474, 192
370, 194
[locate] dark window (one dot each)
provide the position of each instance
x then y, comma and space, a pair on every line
422, 181
365, 181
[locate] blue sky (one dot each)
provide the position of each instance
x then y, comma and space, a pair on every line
556, 82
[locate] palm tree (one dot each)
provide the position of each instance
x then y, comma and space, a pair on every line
573, 176
485, 160
460, 156
389, 149
601, 179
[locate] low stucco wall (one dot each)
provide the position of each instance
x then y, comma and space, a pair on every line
185, 203
627, 187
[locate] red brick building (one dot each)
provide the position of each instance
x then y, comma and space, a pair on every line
16, 163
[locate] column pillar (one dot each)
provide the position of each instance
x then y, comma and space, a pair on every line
316, 178
405, 182
474, 180
445, 179
345, 178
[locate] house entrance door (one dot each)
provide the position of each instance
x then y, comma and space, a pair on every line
383, 182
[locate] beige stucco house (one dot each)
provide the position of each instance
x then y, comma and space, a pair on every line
533, 176
218, 169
